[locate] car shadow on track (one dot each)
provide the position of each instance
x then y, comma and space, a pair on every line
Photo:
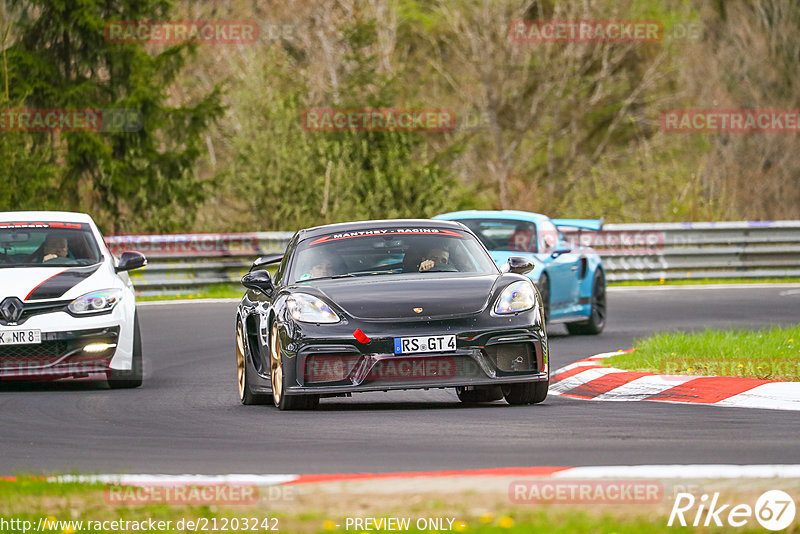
59, 385
417, 406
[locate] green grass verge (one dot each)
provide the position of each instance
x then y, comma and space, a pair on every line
702, 281
59, 503
770, 353
216, 291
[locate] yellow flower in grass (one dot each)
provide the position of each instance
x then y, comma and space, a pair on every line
506, 522
486, 518
673, 354
690, 370
740, 366
791, 340
329, 525
460, 526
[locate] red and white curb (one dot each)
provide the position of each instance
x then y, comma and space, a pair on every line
680, 471
589, 380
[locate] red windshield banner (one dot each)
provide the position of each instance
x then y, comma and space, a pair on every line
386, 231
20, 225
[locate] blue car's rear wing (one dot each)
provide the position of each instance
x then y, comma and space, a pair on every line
582, 224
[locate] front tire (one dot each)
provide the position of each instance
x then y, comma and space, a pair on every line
278, 379
597, 319
133, 377
246, 396
526, 393
479, 394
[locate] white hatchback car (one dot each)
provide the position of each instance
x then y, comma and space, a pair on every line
67, 306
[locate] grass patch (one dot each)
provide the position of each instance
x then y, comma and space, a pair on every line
702, 281
216, 291
34, 500
770, 353
306, 509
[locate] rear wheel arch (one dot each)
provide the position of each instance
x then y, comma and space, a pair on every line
599, 307
246, 395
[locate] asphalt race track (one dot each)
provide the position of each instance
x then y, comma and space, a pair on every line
186, 418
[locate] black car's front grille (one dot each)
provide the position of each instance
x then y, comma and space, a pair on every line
514, 357
329, 367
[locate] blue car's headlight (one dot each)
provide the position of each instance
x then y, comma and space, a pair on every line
517, 297
96, 301
310, 309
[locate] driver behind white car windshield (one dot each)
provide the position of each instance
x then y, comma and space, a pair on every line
36, 247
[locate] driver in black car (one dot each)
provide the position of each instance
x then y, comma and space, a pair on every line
435, 256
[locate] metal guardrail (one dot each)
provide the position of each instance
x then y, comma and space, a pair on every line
669, 251
705, 250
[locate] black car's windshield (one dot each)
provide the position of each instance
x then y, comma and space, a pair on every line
47, 244
389, 251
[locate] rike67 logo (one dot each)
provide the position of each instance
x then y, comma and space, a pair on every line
774, 510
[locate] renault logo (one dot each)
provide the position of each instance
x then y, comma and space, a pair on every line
11, 309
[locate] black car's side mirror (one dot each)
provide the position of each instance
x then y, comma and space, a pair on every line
266, 260
258, 281
130, 260
519, 265
559, 251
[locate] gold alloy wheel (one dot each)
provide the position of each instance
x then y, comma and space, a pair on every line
240, 365
276, 366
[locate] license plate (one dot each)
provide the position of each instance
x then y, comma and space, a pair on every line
408, 345
20, 337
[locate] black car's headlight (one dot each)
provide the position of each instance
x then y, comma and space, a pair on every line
95, 302
310, 309
517, 297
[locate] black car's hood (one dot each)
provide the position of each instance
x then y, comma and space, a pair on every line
396, 296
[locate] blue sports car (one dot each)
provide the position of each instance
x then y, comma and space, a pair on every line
571, 280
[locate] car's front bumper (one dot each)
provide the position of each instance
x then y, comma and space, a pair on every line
339, 364
61, 355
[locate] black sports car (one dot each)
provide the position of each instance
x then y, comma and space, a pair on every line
384, 305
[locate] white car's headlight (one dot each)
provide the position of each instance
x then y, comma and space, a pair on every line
517, 297
96, 301
310, 309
